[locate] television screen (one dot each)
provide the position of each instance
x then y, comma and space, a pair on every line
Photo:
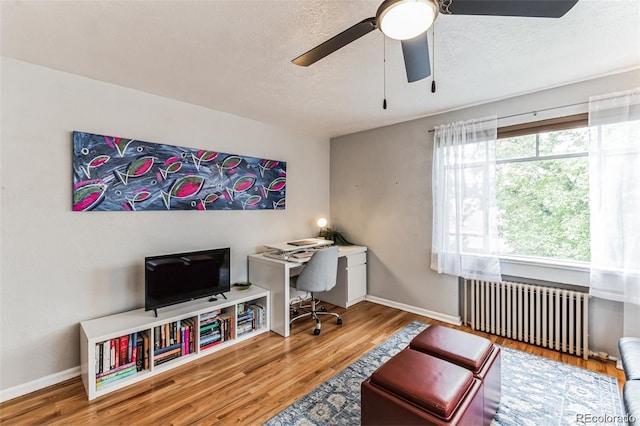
180, 277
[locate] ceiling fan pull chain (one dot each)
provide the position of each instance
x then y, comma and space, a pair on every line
433, 72
384, 71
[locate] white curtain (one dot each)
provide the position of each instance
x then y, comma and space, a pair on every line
465, 232
614, 187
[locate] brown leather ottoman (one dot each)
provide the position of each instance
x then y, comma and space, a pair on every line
417, 388
467, 350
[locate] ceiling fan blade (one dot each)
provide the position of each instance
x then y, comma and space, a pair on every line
336, 42
416, 57
524, 8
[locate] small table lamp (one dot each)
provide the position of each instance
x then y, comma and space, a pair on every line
322, 222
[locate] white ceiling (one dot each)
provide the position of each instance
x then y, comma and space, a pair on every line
234, 55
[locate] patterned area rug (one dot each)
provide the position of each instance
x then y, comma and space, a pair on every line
535, 391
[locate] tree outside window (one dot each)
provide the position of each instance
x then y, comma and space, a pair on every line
543, 194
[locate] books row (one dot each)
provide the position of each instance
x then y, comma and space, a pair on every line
170, 333
127, 371
253, 317
179, 340
121, 357
209, 317
216, 330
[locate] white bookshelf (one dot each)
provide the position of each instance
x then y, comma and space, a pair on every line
96, 331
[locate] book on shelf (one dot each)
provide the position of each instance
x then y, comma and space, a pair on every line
188, 336
146, 342
209, 345
209, 330
106, 355
210, 338
175, 334
99, 357
120, 374
166, 349
242, 323
244, 329
210, 326
157, 338
133, 347
211, 314
191, 334
259, 316
116, 362
168, 356
209, 317
176, 350
139, 351
228, 326
184, 345
217, 331
113, 378
164, 329
115, 370
123, 344
248, 315
112, 357
132, 344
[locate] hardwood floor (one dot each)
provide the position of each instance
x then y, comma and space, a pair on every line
247, 383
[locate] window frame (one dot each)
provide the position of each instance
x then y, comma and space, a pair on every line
538, 267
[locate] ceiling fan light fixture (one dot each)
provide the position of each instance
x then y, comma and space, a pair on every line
406, 19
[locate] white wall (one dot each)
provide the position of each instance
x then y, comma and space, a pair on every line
60, 267
381, 198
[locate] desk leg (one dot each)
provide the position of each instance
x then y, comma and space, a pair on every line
274, 277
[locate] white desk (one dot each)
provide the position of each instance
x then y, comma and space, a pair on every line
274, 275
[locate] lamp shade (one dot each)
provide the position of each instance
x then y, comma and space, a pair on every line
406, 19
322, 222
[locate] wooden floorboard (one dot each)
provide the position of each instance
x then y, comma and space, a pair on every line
247, 383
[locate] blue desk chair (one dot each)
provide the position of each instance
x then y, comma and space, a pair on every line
318, 275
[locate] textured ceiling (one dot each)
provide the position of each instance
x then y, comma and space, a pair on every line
234, 56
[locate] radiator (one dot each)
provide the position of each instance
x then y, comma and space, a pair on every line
553, 318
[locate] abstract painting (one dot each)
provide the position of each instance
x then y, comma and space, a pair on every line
114, 173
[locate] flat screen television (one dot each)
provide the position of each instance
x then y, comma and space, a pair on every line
181, 277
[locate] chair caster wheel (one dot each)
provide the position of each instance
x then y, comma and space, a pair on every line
323, 309
316, 331
339, 321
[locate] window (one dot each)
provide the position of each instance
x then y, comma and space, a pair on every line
542, 189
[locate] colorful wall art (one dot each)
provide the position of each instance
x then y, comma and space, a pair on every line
113, 173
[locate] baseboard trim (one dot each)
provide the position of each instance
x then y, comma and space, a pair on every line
450, 319
38, 384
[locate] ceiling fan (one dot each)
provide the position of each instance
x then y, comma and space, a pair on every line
409, 20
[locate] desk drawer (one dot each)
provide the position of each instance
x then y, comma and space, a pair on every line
357, 282
356, 259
